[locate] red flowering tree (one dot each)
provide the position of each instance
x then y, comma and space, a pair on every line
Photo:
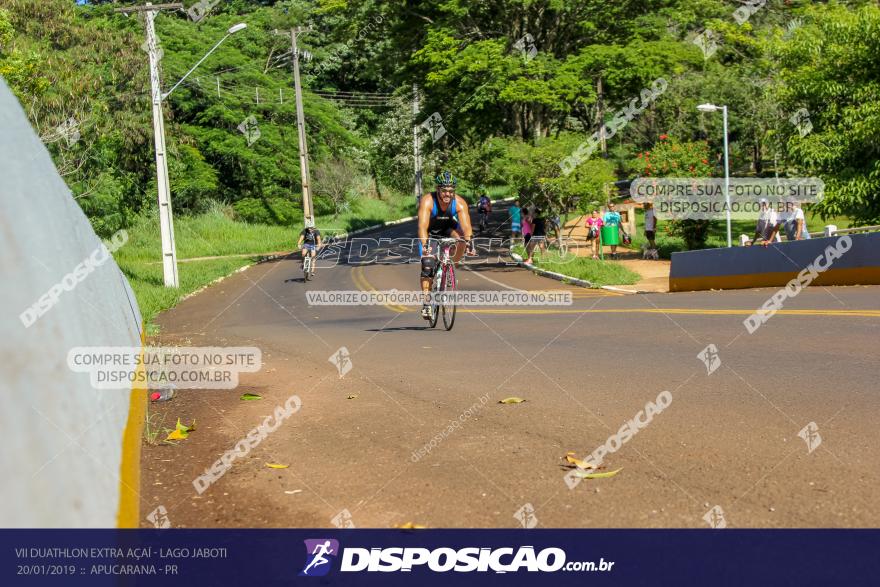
670, 158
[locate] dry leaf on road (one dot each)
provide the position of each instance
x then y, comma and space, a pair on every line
584, 475
181, 431
410, 526
569, 456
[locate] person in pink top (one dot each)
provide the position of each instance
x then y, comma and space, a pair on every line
594, 225
526, 226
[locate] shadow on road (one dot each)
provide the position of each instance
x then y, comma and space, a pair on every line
392, 329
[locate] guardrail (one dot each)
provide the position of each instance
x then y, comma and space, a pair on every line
831, 230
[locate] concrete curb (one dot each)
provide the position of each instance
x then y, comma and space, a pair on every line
551, 274
572, 280
629, 291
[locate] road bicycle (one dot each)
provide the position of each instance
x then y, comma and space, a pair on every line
308, 265
444, 283
484, 219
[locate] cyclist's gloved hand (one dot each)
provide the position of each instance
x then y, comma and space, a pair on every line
471, 249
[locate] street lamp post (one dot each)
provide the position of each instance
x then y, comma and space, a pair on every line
714, 108
232, 30
166, 217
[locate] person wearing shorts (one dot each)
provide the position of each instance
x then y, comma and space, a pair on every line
526, 226
594, 225
442, 214
310, 241
515, 222
650, 225
539, 235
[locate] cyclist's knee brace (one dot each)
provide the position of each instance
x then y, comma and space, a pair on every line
428, 266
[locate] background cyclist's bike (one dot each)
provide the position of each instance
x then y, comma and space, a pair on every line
308, 265
444, 282
484, 220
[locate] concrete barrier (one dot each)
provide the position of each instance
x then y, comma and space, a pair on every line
70, 455
776, 265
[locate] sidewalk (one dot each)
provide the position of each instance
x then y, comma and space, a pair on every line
655, 274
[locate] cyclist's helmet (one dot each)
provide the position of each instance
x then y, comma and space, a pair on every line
445, 179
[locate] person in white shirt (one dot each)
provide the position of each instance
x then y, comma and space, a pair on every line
650, 225
794, 222
767, 220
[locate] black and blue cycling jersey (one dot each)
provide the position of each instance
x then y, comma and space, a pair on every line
442, 222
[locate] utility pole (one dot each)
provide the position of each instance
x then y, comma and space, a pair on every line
417, 147
166, 217
308, 213
601, 115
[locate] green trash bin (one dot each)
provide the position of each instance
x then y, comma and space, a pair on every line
611, 235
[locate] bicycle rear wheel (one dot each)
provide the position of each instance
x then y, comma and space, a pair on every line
448, 286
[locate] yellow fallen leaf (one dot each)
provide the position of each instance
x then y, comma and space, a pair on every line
511, 400
410, 526
584, 475
181, 431
578, 462
276, 466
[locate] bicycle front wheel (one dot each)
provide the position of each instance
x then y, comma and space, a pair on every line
448, 307
435, 308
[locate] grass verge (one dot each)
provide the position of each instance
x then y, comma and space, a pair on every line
596, 272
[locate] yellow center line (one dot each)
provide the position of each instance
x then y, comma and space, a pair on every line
360, 281
692, 311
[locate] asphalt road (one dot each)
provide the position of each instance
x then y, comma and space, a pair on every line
360, 450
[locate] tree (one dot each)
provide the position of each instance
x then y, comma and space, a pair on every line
671, 158
334, 180
534, 172
830, 94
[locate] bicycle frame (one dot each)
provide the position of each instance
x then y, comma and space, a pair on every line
309, 264
442, 281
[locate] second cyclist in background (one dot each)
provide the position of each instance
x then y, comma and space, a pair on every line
310, 242
484, 208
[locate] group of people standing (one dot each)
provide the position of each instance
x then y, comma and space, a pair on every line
529, 224
611, 217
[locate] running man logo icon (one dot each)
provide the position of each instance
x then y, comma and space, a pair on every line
707, 41
810, 434
319, 555
715, 518
526, 516
159, 518
342, 359
434, 125
250, 129
710, 358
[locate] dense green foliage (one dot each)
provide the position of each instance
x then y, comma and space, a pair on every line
670, 158
519, 86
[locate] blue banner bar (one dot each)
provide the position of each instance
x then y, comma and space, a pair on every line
205, 558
